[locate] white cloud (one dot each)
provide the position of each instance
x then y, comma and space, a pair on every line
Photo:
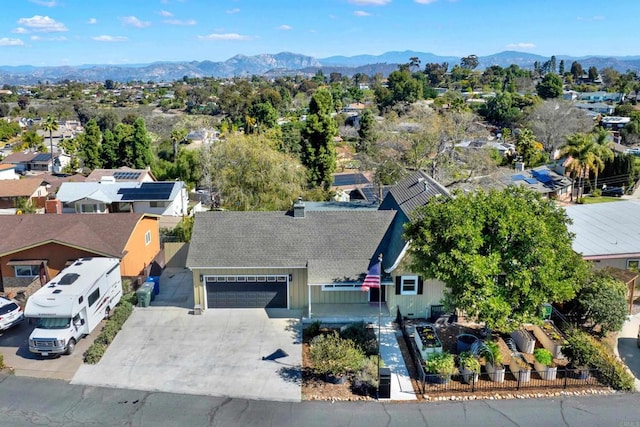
370, 2
50, 3
233, 11
42, 24
285, 27
226, 36
110, 39
19, 30
425, 1
134, 22
591, 18
361, 13
4, 41
49, 39
188, 22
92, 21
520, 46
165, 13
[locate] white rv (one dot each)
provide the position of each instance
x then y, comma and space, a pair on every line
72, 304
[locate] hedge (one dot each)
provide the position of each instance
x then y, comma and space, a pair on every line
113, 325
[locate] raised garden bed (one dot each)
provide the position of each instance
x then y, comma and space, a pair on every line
427, 340
550, 337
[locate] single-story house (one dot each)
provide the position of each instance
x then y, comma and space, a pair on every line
168, 198
601, 96
546, 180
31, 189
32, 161
313, 260
122, 174
605, 235
596, 107
8, 172
34, 246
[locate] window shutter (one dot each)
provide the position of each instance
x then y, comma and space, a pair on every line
398, 285
420, 285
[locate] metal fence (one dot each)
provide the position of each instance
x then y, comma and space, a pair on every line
565, 378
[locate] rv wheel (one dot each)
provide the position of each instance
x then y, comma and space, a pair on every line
70, 347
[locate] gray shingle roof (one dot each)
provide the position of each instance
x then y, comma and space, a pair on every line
336, 245
605, 229
412, 192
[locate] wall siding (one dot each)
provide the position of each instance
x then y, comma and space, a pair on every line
318, 296
415, 306
175, 254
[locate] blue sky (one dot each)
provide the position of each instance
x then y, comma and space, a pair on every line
75, 32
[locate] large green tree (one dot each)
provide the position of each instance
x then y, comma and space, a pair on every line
550, 86
318, 150
602, 302
501, 254
586, 156
251, 175
90, 143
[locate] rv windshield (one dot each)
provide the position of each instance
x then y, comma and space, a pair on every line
53, 323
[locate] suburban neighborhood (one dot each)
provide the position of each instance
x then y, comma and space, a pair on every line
430, 234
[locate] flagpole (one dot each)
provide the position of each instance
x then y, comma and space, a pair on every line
379, 316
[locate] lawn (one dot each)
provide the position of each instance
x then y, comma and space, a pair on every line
590, 200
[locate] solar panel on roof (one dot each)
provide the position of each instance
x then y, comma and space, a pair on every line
531, 180
517, 177
349, 179
148, 191
126, 175
369, 193
42, 157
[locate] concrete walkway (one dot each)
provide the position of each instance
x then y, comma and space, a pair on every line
401, 387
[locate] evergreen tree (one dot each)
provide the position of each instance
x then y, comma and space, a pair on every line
141, 145
90, 145
318, 151
109, 153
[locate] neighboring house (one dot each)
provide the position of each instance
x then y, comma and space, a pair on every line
596, 107
8, 172
35, 245
31, 189
30, 161
614, 123
570, 95
605, 235
350, 186
549, 181
313, 260
168, 198
503, 148
123, 174
601, 96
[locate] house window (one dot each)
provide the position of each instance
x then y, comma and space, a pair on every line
94, 297
633, 264
409, 285
26, 270
147, 237
343, 287
156, 204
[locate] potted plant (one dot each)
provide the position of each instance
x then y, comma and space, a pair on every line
493, 361
520, 368
543, 362
440, 366
469, 367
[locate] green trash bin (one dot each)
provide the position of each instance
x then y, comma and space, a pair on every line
144, 296
151, 285
546, 311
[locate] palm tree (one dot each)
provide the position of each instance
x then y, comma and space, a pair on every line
585, 157
604, 145
50, 125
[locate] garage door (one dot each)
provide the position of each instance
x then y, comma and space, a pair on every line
238, 292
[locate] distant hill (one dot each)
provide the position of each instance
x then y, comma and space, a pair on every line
284, 63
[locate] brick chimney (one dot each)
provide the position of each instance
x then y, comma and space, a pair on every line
53, 206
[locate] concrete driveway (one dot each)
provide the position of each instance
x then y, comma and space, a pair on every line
166, 347
14, 346
627, 347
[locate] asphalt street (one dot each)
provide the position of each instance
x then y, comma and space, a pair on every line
30, 402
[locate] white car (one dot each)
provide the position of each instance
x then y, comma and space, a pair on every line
10, 313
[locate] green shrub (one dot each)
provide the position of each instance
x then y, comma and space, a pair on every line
313, 330
333, 355
579, 349
365, 381
596, 193
362, 336
1, 361
119, 315
440, 363
94, 353
543, 356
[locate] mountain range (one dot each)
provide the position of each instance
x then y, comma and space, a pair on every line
286, 63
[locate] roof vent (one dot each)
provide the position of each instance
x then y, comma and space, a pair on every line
107, 180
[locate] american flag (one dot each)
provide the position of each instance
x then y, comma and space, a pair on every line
372, 280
